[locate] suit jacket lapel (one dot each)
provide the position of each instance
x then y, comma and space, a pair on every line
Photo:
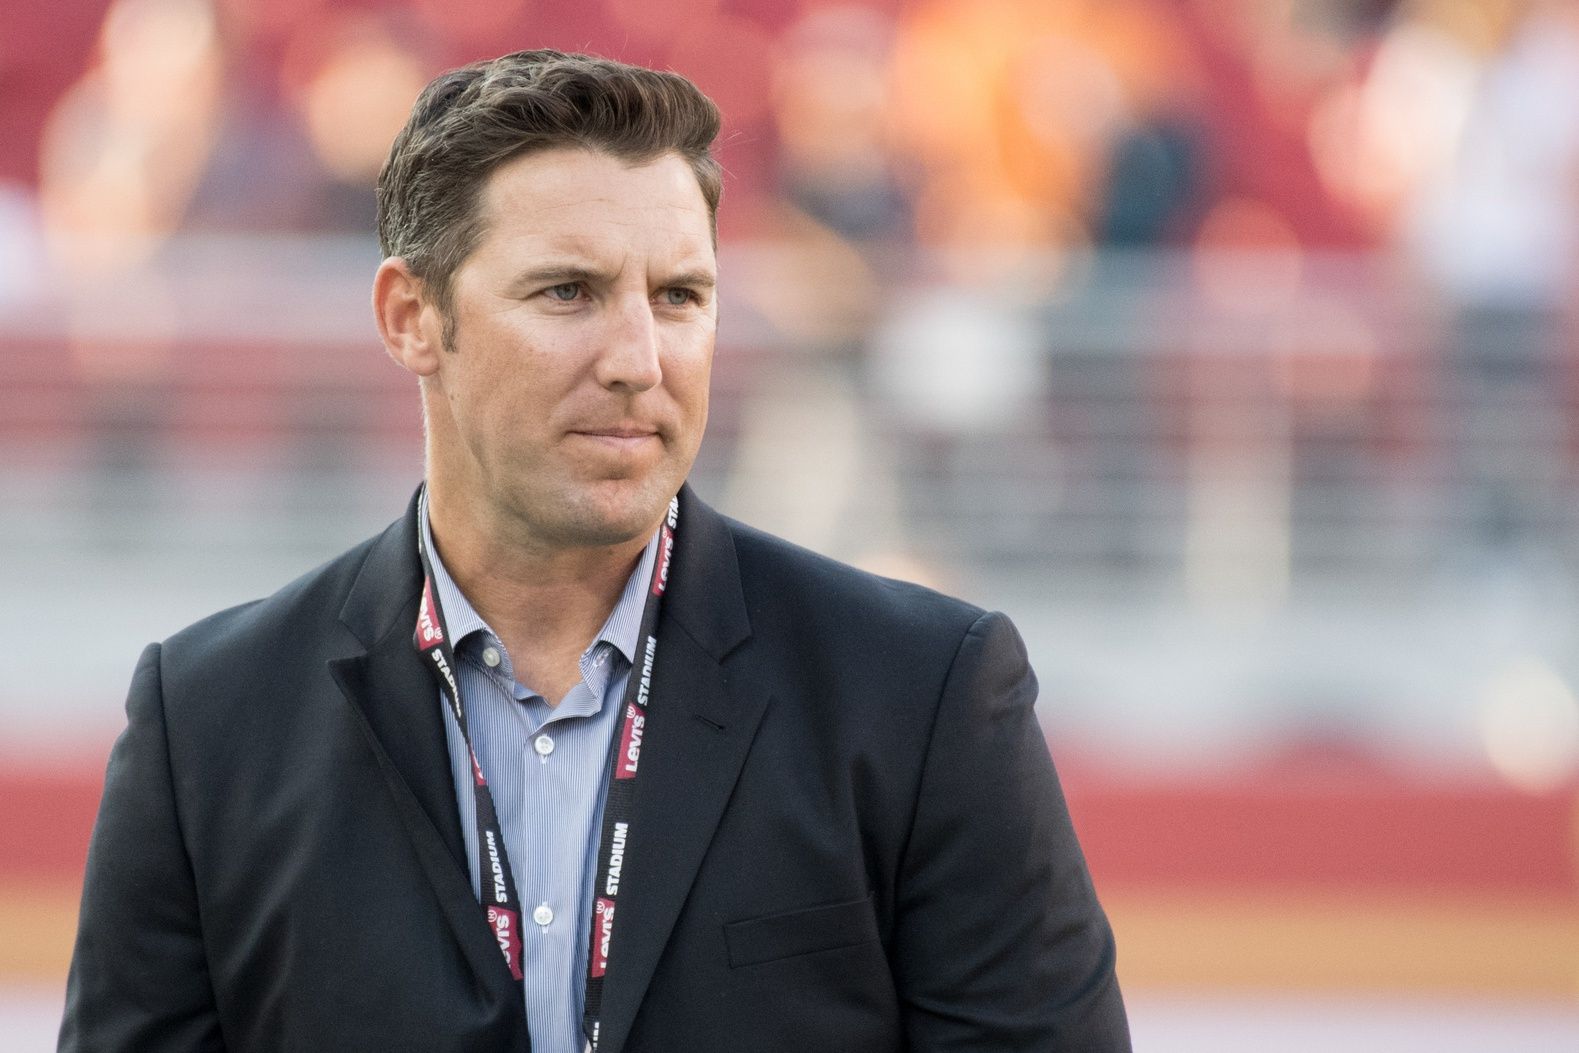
699, 730
396, 697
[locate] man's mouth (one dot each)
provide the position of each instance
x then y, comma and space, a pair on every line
619, 436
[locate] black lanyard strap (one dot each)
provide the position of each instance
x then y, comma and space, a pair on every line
495, 879
618, 809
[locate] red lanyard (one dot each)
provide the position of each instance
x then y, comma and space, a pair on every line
499, 898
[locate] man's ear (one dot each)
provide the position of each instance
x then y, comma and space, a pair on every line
407, 321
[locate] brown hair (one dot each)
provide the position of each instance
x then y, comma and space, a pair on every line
469, 121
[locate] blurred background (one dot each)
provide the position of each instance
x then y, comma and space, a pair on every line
1228, 345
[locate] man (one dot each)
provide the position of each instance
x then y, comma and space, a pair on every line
403, 804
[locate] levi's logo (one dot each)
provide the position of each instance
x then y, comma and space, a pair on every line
602, 933
630, 743
504, 924
428, 630
660, 580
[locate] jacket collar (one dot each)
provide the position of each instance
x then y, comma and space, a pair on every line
389, 580
706, 597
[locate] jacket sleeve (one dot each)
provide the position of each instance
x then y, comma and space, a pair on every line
139, 978
999, 941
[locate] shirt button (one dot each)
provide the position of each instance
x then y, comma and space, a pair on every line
543, 914
490, 656
543, 745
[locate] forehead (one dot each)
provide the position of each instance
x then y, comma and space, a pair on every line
570, 200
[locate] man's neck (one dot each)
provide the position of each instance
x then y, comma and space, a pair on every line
545, 603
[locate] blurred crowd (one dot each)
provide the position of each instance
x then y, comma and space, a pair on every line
928, 175
1442, 127
1195, 296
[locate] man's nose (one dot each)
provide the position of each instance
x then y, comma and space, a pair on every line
630, 354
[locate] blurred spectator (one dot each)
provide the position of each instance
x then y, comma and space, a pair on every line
837, 226
126, 146
832, 102
43, 51
1005, 105
305, 155
1488, 205
1153, 185
122, 153
1494, 219
1264, 68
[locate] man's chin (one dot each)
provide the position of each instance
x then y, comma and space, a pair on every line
608, 515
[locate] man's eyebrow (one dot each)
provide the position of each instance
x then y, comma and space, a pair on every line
698, 278
556, 274
564, 273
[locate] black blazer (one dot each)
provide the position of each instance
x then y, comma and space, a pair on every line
848, 833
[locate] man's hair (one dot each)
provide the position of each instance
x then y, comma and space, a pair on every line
471, 120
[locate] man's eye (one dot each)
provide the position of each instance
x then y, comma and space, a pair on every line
564, 292
678, 297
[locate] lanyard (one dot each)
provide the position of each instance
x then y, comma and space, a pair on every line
499, 897
497, 883
618, 804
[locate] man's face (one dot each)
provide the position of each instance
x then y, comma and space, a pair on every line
575, 390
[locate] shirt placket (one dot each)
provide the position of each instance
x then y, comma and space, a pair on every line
561, 790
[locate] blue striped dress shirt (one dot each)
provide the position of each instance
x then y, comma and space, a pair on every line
547, 769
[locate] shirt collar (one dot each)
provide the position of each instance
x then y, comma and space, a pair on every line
621, 629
